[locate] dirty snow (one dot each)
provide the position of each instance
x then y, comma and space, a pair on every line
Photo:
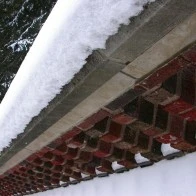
167, 178
73, 29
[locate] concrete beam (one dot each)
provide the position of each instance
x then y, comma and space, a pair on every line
155, 22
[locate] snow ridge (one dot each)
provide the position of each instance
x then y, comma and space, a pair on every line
73, 29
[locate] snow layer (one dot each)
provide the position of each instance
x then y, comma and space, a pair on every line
116, 166
166, 149
73, 29
140, 159
167, 178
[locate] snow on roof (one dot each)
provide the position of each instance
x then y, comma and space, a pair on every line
73, 29
172, 178
167, 149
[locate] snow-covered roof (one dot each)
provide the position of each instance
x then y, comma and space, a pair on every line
72, 31
157, 104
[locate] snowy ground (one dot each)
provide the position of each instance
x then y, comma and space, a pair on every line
73, 29
167, 178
